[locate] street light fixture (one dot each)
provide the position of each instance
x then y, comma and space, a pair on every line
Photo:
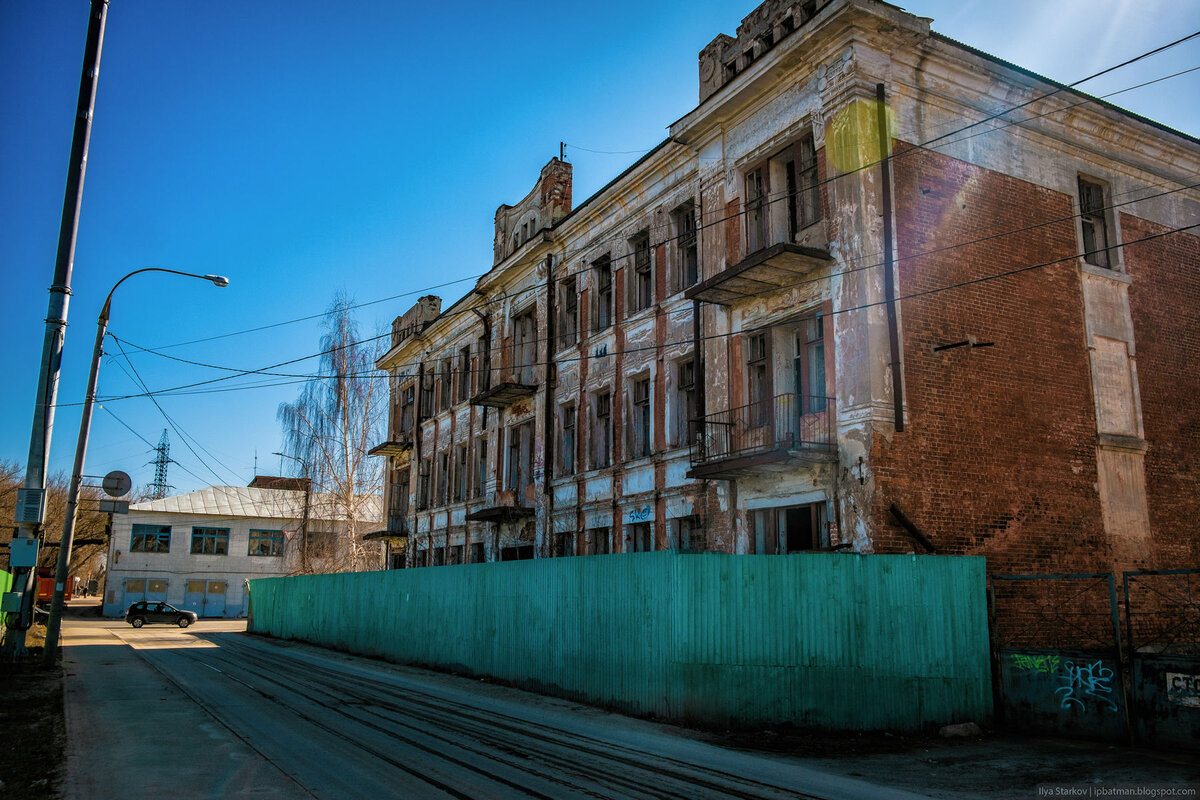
54, 622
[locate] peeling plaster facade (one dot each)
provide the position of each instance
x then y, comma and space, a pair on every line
704, 355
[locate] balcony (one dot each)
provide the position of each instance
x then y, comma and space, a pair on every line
765, 436
501, 507
396, 532
398, 446
503, 394
769, 269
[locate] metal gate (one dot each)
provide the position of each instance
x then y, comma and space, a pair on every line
1065, 664
1162, 616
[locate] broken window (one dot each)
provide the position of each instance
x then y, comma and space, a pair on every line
442, 493
687, 265
477, 556
480, 466
1093, 219
641, 537
756, 209
460, 473
790, 529
689, 536
566, 455
598, 544
568, 321
408, 411
602, 430
464, 373
520, 457
427, 409
643, 275
423, 483
444, 385
524, 356
639, 429
685, 400
758, 391
603, 317
810, 364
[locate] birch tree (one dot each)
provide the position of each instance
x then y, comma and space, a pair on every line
337, 418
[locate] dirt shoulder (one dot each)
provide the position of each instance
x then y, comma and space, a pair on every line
32, 729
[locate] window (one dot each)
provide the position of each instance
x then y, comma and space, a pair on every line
444, 386
464, 373
568, 324
477, 556
639, 430
685, 400
423, 483
150, 539
643, 275
793, 529
320, 544
756, 209
455, 554
687, 266
266, 543
480, 466
439, 556
602, 430
564, 544
641, 537
524, 355
520, 457
1093, 219
603, 318
689, 536
210, 541
461, 470
566, 454
757, 377
407, 410
441, 494
598, 544
483, 361
810, 364
804, 195
427, 408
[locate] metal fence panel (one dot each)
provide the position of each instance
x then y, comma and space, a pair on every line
836, 641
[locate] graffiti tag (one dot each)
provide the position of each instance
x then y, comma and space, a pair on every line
1084, 681
640, 514
1047, 664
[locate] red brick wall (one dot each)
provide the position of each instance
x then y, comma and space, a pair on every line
1165, 303
998, 458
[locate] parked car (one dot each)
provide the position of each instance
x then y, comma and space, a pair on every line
142, 612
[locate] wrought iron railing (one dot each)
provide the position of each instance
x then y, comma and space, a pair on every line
783, 422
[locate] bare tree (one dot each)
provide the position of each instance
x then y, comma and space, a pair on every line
330, 427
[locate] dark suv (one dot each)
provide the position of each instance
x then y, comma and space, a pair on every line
142, 612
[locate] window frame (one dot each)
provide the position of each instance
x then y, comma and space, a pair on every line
274, 540
160, 532
687, 262
641, 429
203, 534
685, 399
601, 455
1095, 220
568, 439
602, 320
642, 289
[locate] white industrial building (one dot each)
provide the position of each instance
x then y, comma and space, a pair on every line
199, 550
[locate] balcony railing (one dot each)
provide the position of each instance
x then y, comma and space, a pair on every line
786, 422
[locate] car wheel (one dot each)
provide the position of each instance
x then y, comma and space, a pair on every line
184, 622
137, 622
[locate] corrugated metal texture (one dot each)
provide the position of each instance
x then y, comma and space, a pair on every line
836, 641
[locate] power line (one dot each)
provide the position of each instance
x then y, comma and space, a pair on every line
591, 246
541, 340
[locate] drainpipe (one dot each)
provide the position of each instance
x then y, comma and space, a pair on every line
889, 280
549, 377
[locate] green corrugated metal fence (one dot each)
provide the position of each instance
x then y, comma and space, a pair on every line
833, 641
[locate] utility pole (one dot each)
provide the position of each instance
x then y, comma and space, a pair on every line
31, 502
160, 487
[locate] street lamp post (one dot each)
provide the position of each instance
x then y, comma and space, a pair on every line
54, 623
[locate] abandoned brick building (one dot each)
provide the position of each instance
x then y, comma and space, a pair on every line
762, 338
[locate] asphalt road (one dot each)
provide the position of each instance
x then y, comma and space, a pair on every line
212, 712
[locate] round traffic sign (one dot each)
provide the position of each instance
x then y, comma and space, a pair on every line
117, 484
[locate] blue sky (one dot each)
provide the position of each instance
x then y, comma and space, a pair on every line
302, 148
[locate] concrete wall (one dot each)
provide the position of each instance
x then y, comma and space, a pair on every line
831, 641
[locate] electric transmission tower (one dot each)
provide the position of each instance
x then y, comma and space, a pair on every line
159, 488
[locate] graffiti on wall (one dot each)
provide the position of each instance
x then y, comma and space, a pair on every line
640, 514
1077, 685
